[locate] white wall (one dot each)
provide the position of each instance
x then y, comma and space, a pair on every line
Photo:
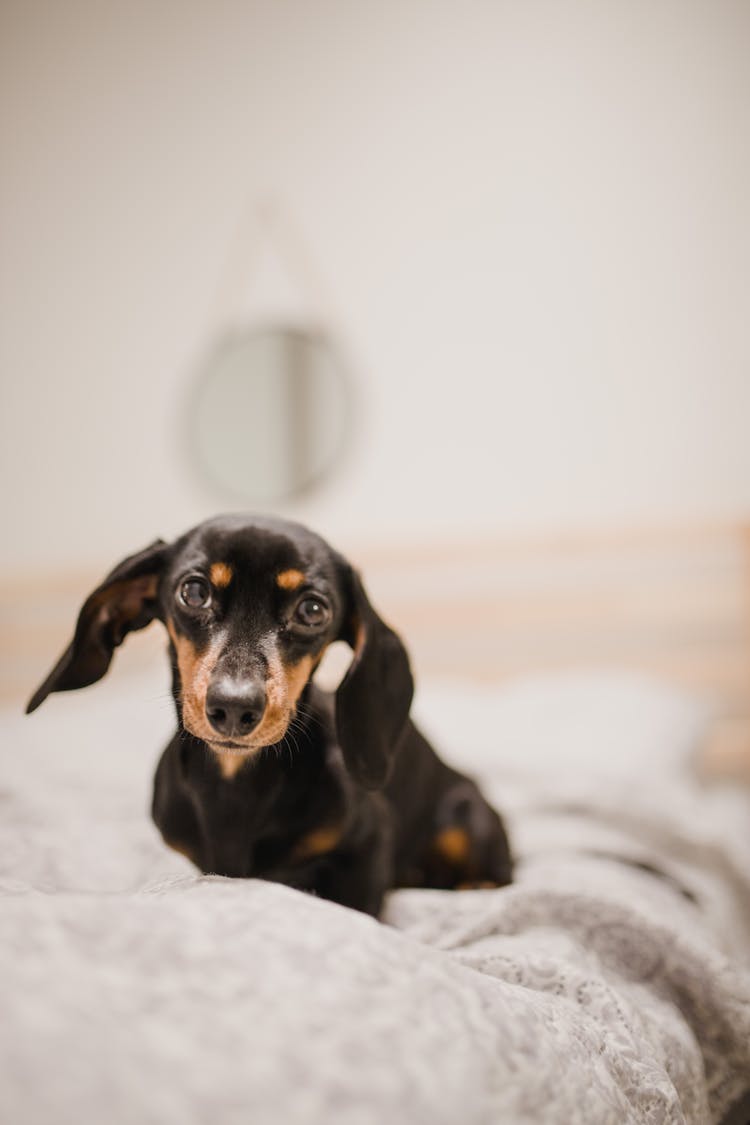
532, 219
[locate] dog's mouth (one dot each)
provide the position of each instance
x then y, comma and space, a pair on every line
229, 745
267, 734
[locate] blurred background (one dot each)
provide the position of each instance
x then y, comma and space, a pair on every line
466, 287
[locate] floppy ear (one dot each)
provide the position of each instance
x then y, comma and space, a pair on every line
125, 601
373, 699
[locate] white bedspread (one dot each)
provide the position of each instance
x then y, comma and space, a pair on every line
593, 990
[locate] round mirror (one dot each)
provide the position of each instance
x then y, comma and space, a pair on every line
270, 412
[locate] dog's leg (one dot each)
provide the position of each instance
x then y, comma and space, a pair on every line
469, 846
173, 811
358, 880
359, 874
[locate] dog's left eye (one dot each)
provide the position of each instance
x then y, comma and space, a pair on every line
312, 611
195, 593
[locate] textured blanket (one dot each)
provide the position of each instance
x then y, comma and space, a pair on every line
610, 983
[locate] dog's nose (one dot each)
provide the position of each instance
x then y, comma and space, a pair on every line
235, 707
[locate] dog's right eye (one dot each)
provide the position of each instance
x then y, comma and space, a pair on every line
195, 593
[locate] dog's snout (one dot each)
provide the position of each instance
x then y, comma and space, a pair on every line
235, 707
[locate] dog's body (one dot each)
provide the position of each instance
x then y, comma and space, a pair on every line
268, 776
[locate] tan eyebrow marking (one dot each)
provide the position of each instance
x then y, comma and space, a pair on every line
290, 579
221, 574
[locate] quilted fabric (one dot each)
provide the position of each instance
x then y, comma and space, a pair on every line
609, 984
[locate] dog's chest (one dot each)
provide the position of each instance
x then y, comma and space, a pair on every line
264, 821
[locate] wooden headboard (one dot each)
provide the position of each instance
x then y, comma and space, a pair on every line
671, 602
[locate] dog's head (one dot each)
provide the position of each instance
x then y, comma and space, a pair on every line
250, 605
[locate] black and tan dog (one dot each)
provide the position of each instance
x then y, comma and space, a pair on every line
267, 775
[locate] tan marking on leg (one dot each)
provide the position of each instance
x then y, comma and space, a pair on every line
290, 579
221, 574
452, 845
317, 842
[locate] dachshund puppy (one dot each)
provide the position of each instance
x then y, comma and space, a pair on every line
267, 775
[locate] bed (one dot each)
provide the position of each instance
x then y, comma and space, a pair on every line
610, 983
